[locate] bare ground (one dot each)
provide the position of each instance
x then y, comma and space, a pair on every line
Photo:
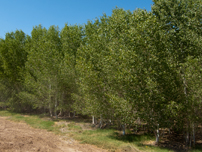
20, 137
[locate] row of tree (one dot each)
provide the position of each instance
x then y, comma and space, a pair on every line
122, 68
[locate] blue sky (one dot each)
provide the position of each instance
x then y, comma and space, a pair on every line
25, 14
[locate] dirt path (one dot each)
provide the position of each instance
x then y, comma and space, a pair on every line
19, 137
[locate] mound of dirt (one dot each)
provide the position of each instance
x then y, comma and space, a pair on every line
19, 137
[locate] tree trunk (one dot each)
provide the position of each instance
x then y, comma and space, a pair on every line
56, 102
50, 111
50, 107
124, 129
190, 140
187, 138
93, 120
194, 140
61, 113
157, 134
100, 121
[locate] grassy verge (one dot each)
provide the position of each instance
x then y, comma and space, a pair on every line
33, 120
104, 138
110, 139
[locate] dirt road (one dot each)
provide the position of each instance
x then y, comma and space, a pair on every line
19, 137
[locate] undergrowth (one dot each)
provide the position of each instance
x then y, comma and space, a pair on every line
109, 139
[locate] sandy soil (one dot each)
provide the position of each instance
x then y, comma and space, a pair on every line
19, 137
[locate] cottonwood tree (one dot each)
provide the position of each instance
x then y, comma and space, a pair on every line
180, 22
71, 40
13, 56
43, 66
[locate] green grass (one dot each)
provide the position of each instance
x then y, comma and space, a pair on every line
110, 139
33, 120
7, 113
72, 126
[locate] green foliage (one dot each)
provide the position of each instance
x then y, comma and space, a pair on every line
180, 33
13, 56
